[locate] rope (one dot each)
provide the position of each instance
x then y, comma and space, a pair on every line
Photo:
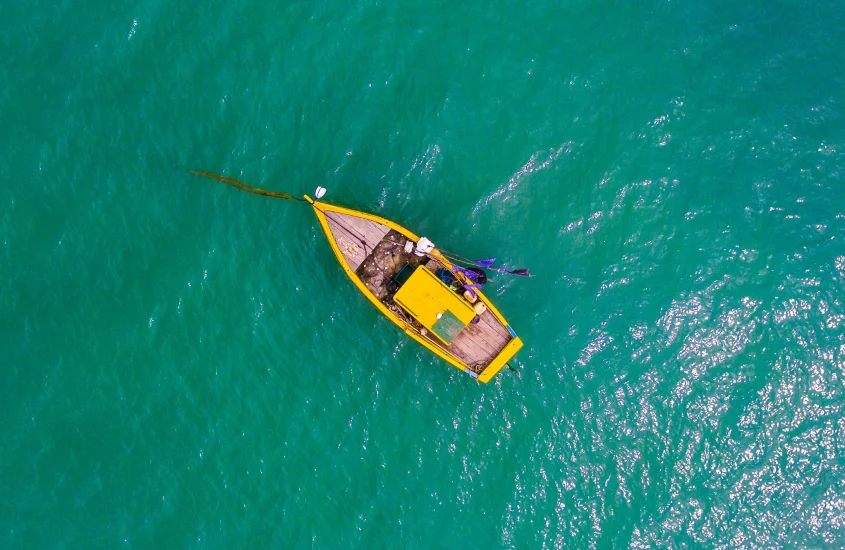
457, 258
246, 188
452, 271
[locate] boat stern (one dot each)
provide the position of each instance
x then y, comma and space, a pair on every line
500, 360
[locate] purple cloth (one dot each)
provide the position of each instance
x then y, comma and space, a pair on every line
484, 264
471, 275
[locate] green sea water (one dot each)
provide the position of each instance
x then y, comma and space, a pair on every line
186, 366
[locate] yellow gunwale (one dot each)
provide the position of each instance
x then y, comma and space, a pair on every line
495, 365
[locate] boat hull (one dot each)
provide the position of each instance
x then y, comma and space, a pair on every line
356, 237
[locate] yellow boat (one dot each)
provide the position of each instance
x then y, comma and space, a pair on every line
414, 285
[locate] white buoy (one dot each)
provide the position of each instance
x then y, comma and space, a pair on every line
320, 192
424, 246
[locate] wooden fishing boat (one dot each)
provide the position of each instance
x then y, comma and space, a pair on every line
414, 285
374, 253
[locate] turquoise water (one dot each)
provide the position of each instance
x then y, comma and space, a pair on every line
186, 366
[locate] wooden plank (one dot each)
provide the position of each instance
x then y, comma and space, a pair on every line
367, 231
472, 333
474, 349
341, 222
493, 329
483, 341
355, 237
469, 353
350, 246
495, 326
484, 331
476, 354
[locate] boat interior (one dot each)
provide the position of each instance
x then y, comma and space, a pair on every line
379, 257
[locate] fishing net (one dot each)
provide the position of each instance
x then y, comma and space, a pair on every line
380, 268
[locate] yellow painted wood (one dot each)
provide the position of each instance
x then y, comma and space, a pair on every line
454, 361
424, 296
494, 366
500, 361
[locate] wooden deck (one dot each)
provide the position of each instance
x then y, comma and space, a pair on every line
376, 254
477, 344
480, 343
355, 237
